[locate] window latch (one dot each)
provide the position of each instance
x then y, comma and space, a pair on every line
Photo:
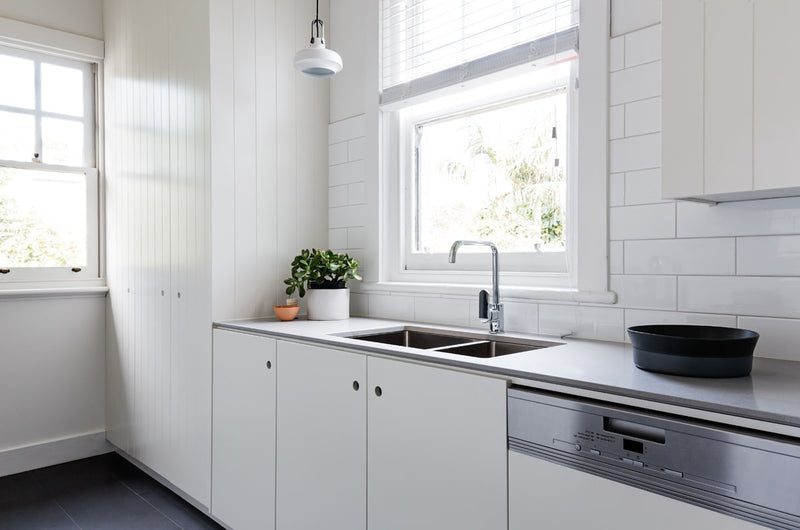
5, 271
76, 269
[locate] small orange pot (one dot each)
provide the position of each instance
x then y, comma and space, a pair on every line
286, 312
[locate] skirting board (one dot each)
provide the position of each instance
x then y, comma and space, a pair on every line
54, 452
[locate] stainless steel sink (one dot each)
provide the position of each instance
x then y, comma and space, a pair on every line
456, 342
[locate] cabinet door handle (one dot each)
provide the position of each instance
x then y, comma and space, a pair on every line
356, 386
378, 391
269, 365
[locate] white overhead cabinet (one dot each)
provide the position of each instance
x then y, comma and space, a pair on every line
366, 442
243, 464
730, 111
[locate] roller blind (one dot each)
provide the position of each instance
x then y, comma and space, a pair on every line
431, 44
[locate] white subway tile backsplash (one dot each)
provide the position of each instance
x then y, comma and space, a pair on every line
394, 307
643, 117
346, 173
347, 216
348, 129
638, 152
454, 311
643, 46
616, 58
631, 15
357, 149
649, 221
337, 238
643, 187
356, 237
777, 337
740, 295
521, 317
643, 317
681, 256
356, 193
616, 189
616, 122
615, 257
359, 305
633, 84
337, 153
645, 292
600, 323
768, 256
746, 218
337, 196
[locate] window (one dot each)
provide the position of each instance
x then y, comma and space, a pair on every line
48, 176
479, 102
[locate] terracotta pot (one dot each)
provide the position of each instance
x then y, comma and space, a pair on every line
328, 304
286, 312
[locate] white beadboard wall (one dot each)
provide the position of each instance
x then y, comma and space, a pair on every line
52, 376
735, 264
269, 147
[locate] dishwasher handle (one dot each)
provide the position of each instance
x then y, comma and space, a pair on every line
634, 430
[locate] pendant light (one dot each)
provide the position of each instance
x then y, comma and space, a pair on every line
317, 60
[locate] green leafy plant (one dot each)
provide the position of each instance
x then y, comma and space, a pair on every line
320, 269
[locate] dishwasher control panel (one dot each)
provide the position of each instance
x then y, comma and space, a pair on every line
688, 459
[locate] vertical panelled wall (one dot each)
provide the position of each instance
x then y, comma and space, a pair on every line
159, 238
734, 264
269, 151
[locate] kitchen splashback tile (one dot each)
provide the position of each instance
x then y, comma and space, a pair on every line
337, 238
651, 221
681, 256
616, 60
599, 323
453, 311
633, 84
746, 218
616, 257
390, 306
616, 189
337, 153
337, 196
631, 15
346, 216
637, 152
642, 317
346, 173
356, 149
643, 187
778, 337
359, 304
643, 46
645, 292
347, 129
643, 117
740, 295
616, 122
768, 256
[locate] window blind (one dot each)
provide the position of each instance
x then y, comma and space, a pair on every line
431, 44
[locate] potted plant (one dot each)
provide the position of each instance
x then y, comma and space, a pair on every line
323, 274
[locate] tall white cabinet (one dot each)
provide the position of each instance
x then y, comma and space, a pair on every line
730, 110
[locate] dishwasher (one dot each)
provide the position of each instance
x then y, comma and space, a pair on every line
579, 463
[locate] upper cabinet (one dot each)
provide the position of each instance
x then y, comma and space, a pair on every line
730, 112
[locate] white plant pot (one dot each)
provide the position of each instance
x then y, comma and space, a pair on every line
328, 304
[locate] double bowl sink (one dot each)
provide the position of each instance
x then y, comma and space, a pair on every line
465, 343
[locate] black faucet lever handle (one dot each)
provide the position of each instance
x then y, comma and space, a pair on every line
483, 305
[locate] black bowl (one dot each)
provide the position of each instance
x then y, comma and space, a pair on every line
695, 351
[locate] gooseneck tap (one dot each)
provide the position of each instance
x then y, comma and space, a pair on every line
491, 313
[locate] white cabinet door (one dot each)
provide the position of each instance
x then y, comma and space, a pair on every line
243, 462
322, 436
437, 449
547, 496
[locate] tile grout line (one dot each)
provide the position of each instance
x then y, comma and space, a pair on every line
68, 515
167, 517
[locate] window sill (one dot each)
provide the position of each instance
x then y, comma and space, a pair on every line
506, 292
53, 292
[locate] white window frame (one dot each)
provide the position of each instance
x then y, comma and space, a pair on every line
589, 204
62, 48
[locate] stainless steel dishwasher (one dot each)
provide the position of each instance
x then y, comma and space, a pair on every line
576, 463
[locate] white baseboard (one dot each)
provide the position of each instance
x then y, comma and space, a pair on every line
54, 452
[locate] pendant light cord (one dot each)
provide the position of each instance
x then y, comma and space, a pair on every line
320, 27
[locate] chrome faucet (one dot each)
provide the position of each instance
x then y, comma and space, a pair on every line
491, 313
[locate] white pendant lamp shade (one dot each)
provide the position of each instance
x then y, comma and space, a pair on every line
317, 60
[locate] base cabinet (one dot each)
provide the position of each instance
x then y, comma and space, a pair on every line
243, 462
547, 496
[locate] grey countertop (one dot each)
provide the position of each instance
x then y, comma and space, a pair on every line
771, 393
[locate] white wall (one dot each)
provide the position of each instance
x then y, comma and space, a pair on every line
82, 17
269, 147
52, 366
733, 265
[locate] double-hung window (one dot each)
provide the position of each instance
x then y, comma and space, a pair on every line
48, 175
479, 109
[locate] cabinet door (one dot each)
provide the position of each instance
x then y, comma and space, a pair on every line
321, 465
243, 461
548, 496
437, 448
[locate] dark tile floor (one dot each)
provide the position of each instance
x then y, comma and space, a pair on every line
100, 493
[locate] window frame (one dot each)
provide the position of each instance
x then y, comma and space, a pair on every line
81, 52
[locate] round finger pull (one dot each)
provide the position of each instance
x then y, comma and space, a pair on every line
378, 391
356, 386
269, 365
